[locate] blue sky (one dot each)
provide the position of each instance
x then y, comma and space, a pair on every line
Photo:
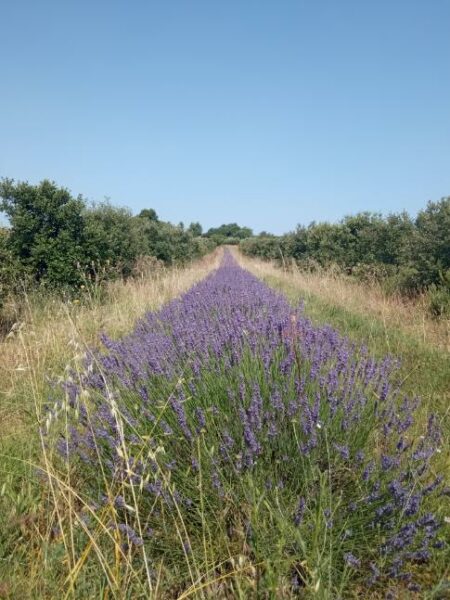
265, 113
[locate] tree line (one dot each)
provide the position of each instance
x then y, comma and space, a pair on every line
56, 239
57, 242
408, 255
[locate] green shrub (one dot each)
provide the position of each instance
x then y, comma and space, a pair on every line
407, 255
47, 229
13, 278
439, 297
60, 243
439, 302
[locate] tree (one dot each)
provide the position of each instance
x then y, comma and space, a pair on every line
230, 230
47, 229
196, 229
431, 250
56, 239
149, 213
113, 239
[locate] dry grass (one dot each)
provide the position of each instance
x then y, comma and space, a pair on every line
367, 299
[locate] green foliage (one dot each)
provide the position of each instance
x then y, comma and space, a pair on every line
47, 230
113, 239
268, 248
170, 243
430, 250
408, 255
196, 229
58, 241
149, 213
10, 273
6, 265
439, 297
226, 232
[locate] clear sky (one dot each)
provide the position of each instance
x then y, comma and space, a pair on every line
265, 113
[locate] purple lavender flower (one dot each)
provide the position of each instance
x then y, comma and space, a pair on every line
131, 535
300, 511
343, 451
351, 560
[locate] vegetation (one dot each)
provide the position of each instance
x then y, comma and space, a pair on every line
49, 338
224, 441
60, 240
407, 255
229, 234
59, 243
183, 476
386, 325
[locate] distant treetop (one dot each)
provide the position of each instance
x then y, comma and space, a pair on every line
231, 230
196, 229
149, 213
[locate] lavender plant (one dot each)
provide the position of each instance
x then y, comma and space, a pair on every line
228, 430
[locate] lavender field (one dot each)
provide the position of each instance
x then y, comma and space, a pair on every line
227, 446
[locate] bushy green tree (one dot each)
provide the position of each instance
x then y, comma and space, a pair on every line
149, 214
195, 229
408, 255
396, 239
169, 243
431, 249
230, 230
59, 241
266, 247
112, 239
47, 230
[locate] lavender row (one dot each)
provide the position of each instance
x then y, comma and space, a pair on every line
232, 385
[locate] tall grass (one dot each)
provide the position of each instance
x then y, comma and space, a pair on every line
49, 338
